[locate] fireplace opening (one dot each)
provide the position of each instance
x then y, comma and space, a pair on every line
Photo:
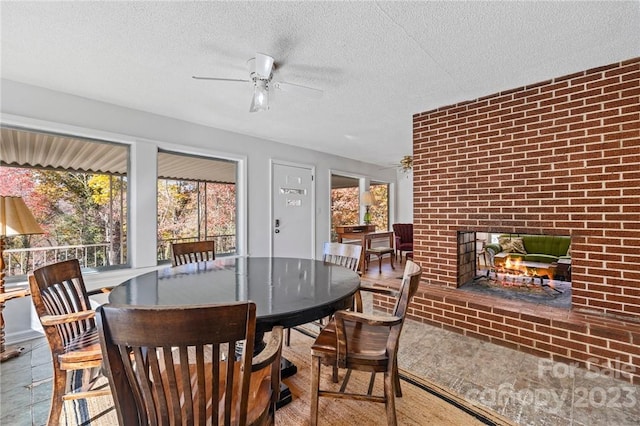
532, 268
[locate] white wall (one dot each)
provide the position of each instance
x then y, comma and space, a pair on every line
404, 197
47, 110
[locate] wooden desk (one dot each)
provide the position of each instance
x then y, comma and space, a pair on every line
364, 233
354, 232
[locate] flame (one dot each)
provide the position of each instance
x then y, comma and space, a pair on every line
514, 269
513, 265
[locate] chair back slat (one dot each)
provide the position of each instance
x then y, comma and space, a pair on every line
215, 394
347, 255
184, 369
192, 252
201, 397
145, 388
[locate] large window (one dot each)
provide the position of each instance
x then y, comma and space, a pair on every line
380, 209
345, 203
76, 189
196, 201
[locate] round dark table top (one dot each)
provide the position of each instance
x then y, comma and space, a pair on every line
286, 291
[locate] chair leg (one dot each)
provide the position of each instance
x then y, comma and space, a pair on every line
315, 388
380, 263
390, 398
396, 379
58, 391
287, 337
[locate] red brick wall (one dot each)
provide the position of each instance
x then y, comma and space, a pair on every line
558, 157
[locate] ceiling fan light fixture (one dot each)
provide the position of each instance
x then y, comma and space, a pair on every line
261, 69
260, 101
406, 163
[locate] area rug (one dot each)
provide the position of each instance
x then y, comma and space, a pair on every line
422, 403
91, 411
531, 292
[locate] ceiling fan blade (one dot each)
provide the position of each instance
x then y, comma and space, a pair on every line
219, 79
264, 65
298, 89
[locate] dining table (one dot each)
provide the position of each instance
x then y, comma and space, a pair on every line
287, 292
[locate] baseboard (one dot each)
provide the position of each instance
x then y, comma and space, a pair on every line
22, 336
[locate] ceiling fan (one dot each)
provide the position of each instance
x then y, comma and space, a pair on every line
405, 165
261, 69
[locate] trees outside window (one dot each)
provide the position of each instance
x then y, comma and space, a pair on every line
83, 216
345, 203
345, 208
193, 211
196, 201
380, 209
78, 191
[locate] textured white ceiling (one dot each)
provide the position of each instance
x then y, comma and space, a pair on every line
377, 62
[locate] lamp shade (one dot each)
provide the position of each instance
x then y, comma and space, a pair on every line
260, 100
16, 218
367, 198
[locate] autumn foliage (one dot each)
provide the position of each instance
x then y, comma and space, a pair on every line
82, 209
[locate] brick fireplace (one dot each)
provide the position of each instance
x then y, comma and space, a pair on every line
560, 157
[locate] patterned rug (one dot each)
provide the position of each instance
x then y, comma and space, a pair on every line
544, 292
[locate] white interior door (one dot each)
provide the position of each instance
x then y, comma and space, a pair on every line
293, 201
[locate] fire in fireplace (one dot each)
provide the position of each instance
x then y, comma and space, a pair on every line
518, 272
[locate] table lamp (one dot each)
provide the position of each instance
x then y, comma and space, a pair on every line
367, 200
15, 219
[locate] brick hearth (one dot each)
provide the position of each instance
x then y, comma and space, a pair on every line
560, 157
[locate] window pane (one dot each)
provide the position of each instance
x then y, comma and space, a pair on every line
380, 209
345, 203
76, 189
197, 203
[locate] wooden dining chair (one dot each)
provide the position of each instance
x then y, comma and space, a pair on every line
379, 252
197, 251
180, 365
365, 342
347, 255
62, 304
